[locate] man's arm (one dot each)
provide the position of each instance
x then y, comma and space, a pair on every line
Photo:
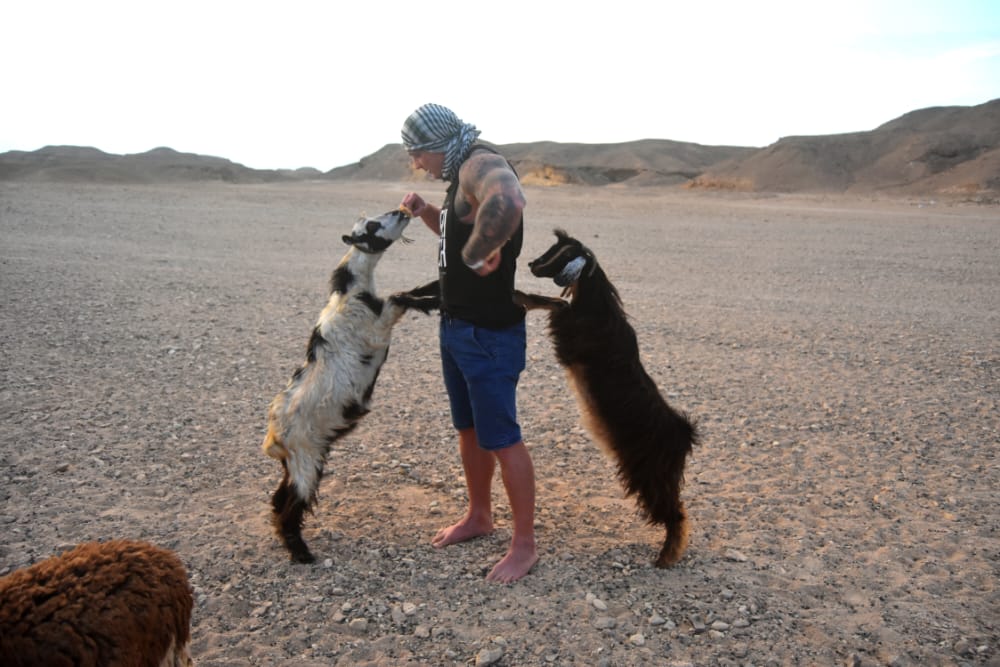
488, 180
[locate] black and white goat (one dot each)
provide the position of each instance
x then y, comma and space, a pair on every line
332, 391
620, 404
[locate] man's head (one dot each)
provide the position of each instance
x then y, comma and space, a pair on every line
434, 129
431, 162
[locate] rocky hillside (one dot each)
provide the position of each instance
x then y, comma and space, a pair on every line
946, 150
934, 151
160, 165
646, 162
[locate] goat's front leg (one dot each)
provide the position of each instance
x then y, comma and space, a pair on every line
537, 301
424, 298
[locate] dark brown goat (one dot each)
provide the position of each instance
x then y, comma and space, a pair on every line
620, 404
120, 603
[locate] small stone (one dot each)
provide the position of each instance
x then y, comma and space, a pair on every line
656, 619
721, 626
697, 624
328, 563
605, 623
409, 608
736, 556
422, 631
489, 656
358, 624
398, 617
741, 623
599, 604
638, 639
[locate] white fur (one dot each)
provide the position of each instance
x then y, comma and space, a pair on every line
329, 395
311, 407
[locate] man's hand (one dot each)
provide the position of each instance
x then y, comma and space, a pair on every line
413, 203
429, 213
486, 266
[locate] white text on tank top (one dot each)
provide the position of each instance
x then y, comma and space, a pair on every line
442, 246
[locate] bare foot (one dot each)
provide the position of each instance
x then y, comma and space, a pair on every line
517, 563
466, 529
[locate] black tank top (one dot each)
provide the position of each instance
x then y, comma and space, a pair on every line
486, 301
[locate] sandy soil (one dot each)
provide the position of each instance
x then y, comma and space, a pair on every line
841, 356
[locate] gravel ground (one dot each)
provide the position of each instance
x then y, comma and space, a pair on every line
841, 356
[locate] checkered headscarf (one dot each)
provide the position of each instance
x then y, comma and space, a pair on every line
437, 129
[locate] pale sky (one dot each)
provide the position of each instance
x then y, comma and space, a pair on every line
296, 83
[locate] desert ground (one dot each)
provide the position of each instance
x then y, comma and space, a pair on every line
841, 356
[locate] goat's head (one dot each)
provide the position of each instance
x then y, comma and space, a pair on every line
565, 261
374, 235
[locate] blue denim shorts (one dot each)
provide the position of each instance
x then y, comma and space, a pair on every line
481, 369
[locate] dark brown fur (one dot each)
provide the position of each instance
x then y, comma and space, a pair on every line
120, 603
620, 403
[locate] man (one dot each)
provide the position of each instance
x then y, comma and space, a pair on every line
482, 331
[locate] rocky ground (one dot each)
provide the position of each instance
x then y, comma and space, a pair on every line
841, 357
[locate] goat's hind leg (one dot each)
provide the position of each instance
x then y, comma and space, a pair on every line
676, 540
289, 513
538, 302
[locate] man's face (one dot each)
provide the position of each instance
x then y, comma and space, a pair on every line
432, 163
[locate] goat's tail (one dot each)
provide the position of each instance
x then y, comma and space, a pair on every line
273, 446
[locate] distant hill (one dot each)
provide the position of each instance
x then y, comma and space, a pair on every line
939, 150
646, 162
77, 164
943, 150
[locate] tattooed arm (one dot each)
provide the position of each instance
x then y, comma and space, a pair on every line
491, 198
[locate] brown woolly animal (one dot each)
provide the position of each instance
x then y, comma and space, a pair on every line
329, 394
113, 604
621, 405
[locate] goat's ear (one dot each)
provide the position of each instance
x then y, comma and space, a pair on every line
561, 234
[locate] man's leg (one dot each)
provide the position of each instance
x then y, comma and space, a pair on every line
479, 465
518, 474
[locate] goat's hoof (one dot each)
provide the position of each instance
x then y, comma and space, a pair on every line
664, 564
298, 551
303, 557
669, 556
